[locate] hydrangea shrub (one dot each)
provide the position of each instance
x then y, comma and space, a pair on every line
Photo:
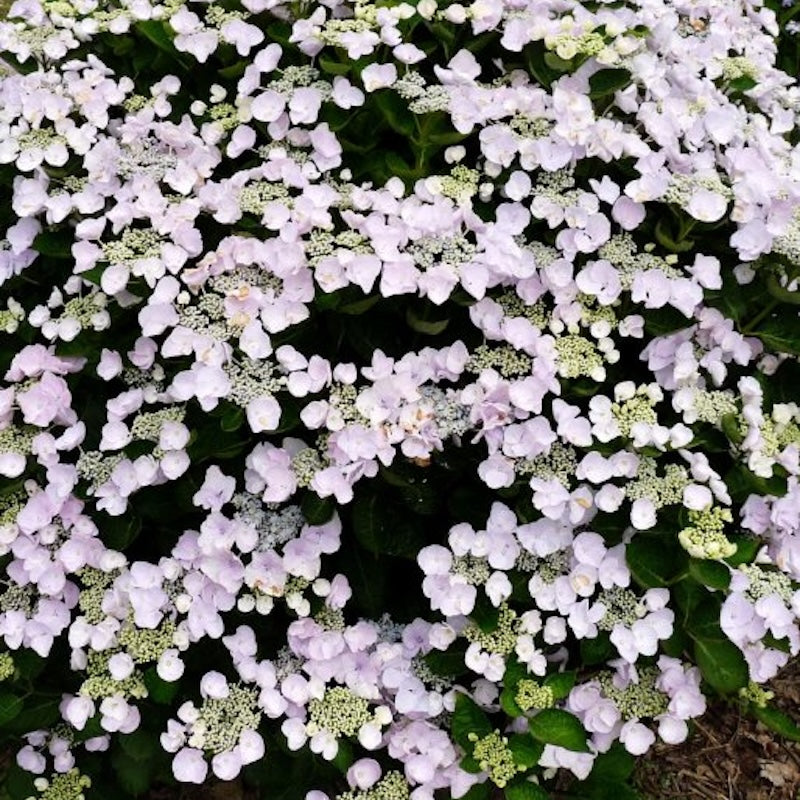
400, 400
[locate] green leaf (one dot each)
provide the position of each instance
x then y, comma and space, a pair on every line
508, 702
428, 327
132, 775
480, 791
713, 574
344, 756
55, 244
561, 683
665, 239
777, 721
608, 81
597, 650
317, 510
747, 548
722, 664
614, 766
743, 83
232, 419
331, 67
468, 718
742, 483
37, 713
656, 559
159, 691
10, 707
527, 751
558, 727
141, 745
525, 790
780, 332
395, 111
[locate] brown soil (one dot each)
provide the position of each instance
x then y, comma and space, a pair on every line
730, 755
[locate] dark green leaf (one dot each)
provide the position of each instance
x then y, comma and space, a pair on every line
317, 510
780, 332
777, 721
428, 327
656, 559
527, 751
608, 81
561, 683
159, 691
141, 745
468, 718
55, 244
713, 574
395, 111
554, 726
132, 775
525, 790
10, 707
722, 664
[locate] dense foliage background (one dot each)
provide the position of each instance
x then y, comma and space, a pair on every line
399, 399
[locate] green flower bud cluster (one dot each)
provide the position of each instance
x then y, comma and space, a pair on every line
547, 568
503, 639
705, 536
431, 679
756, 694
528, 127
430, 250
333, 29
96, 468
226, 115
579, 356
100, 683
251, 378
495, 757
663, 490
766, 582
254, 197
218, 15
343, 398
245, 277
639, 408
132, 245
88, 311
460, 184
145, 645
514, 306
340, 712
221, 720
788, 243
292, 77
62, 786
144, 157
90, 600
474, 569
531, 694
712, 406
640, 698
11, 316
6, 666
332, 619
623, 252
15, 439
622, 607
18, 598
738, 67
392, 786
147, 425
10, 506
560, 463
567, 45
505, 359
